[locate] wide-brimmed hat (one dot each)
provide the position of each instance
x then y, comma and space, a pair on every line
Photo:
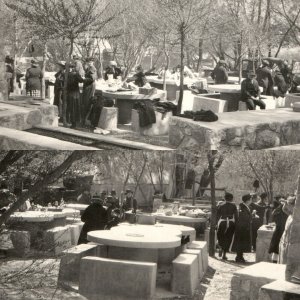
112, 63
228, 197
246, 197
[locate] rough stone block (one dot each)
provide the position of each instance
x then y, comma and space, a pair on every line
103, 279
21, 242
70, 263
204, 252
205, 103
198, 253
145, 219
134, 254
185, 274
109, 118
57, 240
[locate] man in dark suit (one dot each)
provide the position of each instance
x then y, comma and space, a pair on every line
265, 78
250, 92
242, 239
130, 202
227, 216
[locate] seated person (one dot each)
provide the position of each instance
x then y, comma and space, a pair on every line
112, 69
219, 74
139, 78
250, 92
94, 218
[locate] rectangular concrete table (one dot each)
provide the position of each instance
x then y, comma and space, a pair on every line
253, 130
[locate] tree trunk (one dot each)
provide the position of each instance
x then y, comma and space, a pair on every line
43, 86
10, 158
200, 54
213, 217
43, 183
65, 95
182, 47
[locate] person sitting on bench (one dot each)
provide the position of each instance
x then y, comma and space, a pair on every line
250, 92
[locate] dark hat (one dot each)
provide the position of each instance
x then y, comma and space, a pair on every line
263, 195
109, 198
113, 192
34, 62
251, 73
103, 193
228, 197
128, 191
246, 197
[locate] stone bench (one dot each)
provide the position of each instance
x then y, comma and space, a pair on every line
185, 274
161, 127
280, 290
108, 118
243, 130
198, 254
70, 263
57, 239
75, 230
21, 242
246, 283
204, 252
209, 103
270, 102
104, 279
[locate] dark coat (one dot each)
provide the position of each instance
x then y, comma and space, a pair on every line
279, 217
249, 89
130, 203
243, 236
265, 79
281, 84
95, 218
140, 79
219, 75
33, 78
89, 88
225, 230
260, 211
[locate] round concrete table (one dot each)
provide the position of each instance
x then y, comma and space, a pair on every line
80, 207
32, 216
179, 219
134, 239
185, 230
159, 230
125, 102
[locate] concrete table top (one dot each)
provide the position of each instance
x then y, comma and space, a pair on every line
226, 88
171, 81
185, 230
177, 218
160, 230
132, 95
70, 212
32, 216
76, 206
134, 239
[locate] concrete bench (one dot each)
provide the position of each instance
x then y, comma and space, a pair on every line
108, 118
280, 290
246, 283
204, 252
198, 254
161, 127
70, 263
102, 250
185, 274
21, 242
104, 279
57, 240
75, 230
208, 103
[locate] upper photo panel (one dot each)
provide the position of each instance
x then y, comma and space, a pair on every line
149, 75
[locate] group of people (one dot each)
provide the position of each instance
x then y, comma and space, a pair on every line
237, 226
274, 81
104, 211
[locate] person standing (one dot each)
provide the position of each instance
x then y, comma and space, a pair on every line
242, 239
33, 78
227, 216
59, 87
265, 78
219, 74
9, 73
89, 87
113, 70
250, 92
95, 218
130, 202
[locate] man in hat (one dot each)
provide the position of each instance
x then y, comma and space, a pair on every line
33, 78
227, 216
94, 218
114, 195
242, 238
265, 78
219, 74
59, 87
112, 69
250, 92
89, 87
130, 202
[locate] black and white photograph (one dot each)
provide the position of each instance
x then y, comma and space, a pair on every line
150, 149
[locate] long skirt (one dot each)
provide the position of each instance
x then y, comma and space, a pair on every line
74, 108
225, 234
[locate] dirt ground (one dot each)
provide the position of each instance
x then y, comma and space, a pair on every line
36, 279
